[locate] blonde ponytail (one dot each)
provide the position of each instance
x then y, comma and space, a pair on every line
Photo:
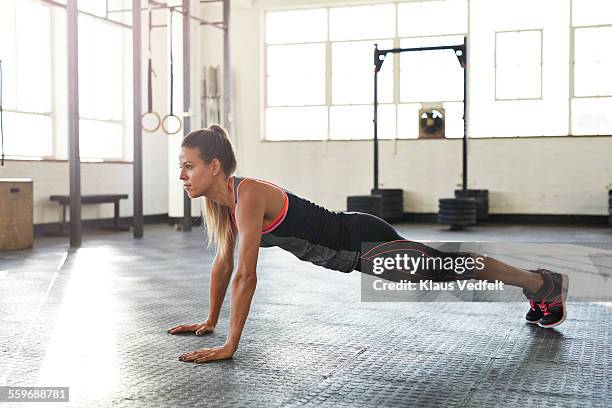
213, 143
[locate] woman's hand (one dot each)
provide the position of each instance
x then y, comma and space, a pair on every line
198, 328
209, 354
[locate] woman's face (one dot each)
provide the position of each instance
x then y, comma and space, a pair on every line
196, 175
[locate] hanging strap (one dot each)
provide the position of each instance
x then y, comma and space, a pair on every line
171, 66
150, 74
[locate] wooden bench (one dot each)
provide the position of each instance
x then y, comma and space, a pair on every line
64, 202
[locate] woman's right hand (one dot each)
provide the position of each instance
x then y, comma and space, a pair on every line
197, 328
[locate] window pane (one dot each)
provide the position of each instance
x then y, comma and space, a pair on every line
518, 64
590, 12
33, 57
109, 77
100, 70
517, 48
432, 18
87, 67
362, 22
27, 135
593, 64
100, 140
296, 26
408, 120
287, 90
355, 122
592, 116
430, 76
296, 123
518, 82
352, 73
296, 74
296, 59
453, 124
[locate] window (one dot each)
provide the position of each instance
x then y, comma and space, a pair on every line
591, 103
592, 92
592, 61
25, 50
101, 107
542, 73
34, 63
519, 68
296, 75
319, 70
518, 64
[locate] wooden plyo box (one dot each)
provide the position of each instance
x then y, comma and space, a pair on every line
16, 214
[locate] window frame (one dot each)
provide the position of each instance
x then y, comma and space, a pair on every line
58, 140
51, 113
573, 61
396, 75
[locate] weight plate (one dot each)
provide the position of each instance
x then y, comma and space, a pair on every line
392, 200
388, 192
457, 218
393, 207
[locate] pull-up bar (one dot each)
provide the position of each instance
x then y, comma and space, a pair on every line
379, 58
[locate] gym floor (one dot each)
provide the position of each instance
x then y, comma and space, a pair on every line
95, 320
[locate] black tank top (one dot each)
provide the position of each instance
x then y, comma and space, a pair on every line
311, 232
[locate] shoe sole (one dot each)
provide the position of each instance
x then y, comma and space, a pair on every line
532, 321
564, 288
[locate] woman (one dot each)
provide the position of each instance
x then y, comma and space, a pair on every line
264, 215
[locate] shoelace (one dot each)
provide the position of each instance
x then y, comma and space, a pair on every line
533, 305
544, 306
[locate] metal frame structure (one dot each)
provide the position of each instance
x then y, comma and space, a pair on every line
138, 217
186, 101
74, 161
379, 58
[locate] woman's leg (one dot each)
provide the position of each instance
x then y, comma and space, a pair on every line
545, 290
495, 270
374, 229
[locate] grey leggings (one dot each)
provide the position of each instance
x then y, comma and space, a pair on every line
374, 229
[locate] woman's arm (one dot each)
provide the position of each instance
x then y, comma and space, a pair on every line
249, 217
220, 275
221, 272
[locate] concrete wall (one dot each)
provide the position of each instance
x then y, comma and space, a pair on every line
51, 177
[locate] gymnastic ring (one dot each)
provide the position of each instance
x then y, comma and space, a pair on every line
154, 116
165, 126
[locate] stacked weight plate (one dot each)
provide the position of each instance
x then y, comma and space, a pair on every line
610, 207
457, 212
482, 201
370, 204
392, 203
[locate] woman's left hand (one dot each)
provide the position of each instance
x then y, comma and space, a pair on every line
209, 354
